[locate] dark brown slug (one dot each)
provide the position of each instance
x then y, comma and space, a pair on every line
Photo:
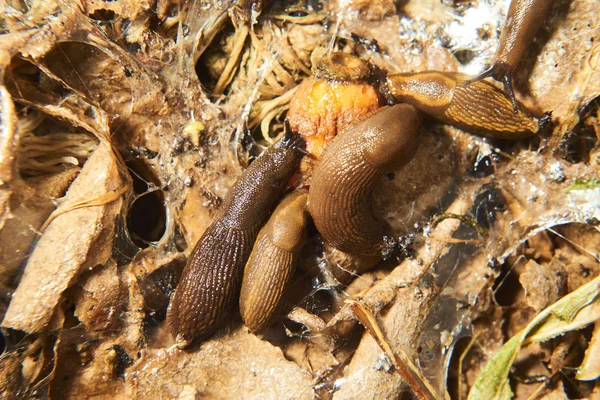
478, 107
211, 277
523, 20
272, 261
342, 183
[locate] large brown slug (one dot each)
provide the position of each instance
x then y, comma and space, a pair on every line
342, 183
211, 278
272, 261
478, 107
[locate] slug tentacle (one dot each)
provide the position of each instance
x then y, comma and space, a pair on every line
342, 183
272, 261
523, 20
211, 278
477, 107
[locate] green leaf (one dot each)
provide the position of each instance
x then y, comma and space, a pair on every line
584, 184
572, 312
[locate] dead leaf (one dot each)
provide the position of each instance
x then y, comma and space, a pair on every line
73, 242
590, 366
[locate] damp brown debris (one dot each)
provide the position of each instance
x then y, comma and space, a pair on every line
124, 124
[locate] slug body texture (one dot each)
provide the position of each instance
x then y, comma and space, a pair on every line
272, 261
340, 191
478, 107
211, 278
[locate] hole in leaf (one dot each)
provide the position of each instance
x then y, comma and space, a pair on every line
487, 202
103, 15
158, 286
212, 63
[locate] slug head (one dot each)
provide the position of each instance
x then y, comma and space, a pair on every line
393, 137
257, 190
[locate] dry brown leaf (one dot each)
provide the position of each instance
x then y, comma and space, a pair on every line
34, 202
590, 366
154, 68
75, 241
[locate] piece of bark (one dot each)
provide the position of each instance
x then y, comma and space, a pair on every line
75, 241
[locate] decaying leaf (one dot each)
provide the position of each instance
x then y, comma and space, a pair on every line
163, 104
590, 366
74, 242
35, 200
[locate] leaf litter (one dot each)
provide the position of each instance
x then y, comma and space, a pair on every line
107, 105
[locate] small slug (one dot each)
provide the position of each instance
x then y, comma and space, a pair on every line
339, 195
523, 20
272, 261
478, 107
212, 275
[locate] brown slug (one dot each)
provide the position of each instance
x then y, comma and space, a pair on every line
272, 261
340, 191
523, 20
478, 107
211, 277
